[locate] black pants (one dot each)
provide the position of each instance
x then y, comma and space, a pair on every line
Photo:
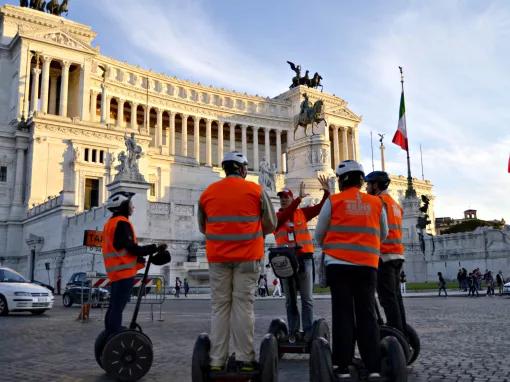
353, 313
388, 290
119, 296
443, 288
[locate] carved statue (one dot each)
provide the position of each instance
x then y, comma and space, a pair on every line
381, 137
297, 80
23, 3
127, 169
267, 175
309, 115
51, 6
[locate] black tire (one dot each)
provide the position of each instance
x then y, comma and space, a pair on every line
67, 300
4, 309
99, 346
414, 344
127, 356
321, 363
278, 328
393, 361
268, 359
200, 360
387, 331
320, 328
38, 312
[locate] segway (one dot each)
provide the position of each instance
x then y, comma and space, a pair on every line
285, 265
128, 354
393, 363
409, 341
266, 370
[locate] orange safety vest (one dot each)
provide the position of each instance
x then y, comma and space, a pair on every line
121, 264
354, 229
299, 230
393, 242
233, 227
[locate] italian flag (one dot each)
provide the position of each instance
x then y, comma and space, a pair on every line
400, 137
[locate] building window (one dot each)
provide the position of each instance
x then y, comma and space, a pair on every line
101, 156
152, 188
94, 155
91, 193
3, 174
86, 155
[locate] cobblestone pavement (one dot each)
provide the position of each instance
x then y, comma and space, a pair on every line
463, 339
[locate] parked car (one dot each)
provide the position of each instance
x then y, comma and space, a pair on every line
506, 288
18, 294
79, 289
49, 287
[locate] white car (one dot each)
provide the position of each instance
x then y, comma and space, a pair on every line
506, 288
18, 294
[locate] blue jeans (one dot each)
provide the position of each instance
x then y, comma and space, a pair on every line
303, 282
119, 297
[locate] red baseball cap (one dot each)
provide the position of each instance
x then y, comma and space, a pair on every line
285, 192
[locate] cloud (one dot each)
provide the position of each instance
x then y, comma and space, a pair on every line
180, 37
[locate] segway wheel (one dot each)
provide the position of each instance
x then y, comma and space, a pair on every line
393, 361
387, 331
278, 328
414, 344
99, 346
127, 356
321, 363
200, 360
268, 359
320, 328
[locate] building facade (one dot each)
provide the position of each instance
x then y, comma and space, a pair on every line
65, 110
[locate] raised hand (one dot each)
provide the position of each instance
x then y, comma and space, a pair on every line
323, 180
302, 193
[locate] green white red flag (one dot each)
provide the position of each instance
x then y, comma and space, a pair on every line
400, 137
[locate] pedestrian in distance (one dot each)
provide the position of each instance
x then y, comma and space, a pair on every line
403, 281
234, 215
442, 284
178, 284
489, 281
262, 287
499, 282
277, 289
186, 287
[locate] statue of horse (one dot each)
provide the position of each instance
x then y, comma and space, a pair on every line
37, 5
305, 80
312, 115
52, 7
64, 8
315, 82
23, 3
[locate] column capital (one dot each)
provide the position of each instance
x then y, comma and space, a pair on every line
46, 59
267, 129
36, 71
65, 64
184, 116
278, 132
244, 126
208, 121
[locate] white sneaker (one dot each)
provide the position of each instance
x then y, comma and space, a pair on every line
374, 376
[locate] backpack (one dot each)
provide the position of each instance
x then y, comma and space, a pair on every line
284, 262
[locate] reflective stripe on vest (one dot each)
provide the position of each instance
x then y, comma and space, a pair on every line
233, 228
121, 264
302, 236
393, 242
354, 230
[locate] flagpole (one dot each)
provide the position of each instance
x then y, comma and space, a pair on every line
372, 149
410, 192
421, 158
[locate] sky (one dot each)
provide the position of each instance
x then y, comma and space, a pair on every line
455, 56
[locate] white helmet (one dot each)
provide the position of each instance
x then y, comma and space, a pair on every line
116, 200
235, 156
349, 166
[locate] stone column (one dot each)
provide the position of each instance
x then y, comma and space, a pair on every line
244, 144
172, 133
158, 139
345, 152
355, 143
208, 142
255, 148
336, 147
45, 85
107, 109
120, 112
267, 145
103, 104
220, 142
232, 136
134, 107
196, 138
184, 136
35, 90
18, 182
279, 151
92, 106
53, 95
64, 85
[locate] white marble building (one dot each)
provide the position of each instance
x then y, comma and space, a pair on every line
65, 110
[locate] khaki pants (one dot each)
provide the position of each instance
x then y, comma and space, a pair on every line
232, 296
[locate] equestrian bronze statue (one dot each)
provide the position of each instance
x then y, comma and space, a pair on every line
309, 115
297, 80
53, 6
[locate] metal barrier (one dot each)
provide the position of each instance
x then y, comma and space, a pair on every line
153, 293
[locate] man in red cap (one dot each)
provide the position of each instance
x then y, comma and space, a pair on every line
292, 231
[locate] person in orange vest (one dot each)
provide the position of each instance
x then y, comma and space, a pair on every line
122, 256
392, 253
292, 231
350, 228
235, 215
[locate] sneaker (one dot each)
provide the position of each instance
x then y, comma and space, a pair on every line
374, 376
247, 367
216, 368
341, 373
